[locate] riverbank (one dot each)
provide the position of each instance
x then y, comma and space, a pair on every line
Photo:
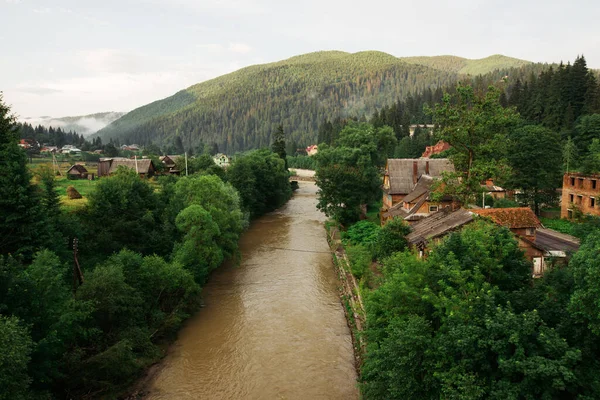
350, 296
272, 327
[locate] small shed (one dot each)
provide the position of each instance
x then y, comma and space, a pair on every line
77, 171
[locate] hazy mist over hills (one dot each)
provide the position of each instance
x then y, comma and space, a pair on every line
84, 124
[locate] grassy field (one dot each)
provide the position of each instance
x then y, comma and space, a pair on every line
560, 225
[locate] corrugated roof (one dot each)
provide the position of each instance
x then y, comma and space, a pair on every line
438, 224
512, 218
552, 240
400, 172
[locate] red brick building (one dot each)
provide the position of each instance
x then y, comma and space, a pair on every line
580, 193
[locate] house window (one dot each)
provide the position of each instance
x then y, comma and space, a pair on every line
571, 198
580, 183
573, 182
433, 208
579, 199
570, 214
592, 202
530, 231
594, 183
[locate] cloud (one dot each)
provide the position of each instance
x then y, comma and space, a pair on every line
42, 10
239, 48
13, 1
38, 90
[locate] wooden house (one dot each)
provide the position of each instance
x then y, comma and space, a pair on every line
77, 171
402, 174
144, 167
169, 163
419, 203
524, 224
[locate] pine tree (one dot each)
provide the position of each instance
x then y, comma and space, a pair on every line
278, 145
20, 216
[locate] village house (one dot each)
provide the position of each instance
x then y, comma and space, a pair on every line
419, 203
70, 149
523, 223
108, 166
495, 191
580, 193
403, 177
312, 150
438, 148
169, 163
541, 246
221, 160
130, 147
77, 171
433, 228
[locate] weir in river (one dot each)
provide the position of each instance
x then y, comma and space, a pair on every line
272, 327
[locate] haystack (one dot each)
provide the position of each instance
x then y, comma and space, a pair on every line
73, 193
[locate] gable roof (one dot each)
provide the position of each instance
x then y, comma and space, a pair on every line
438, 224
552, 240
423, 187
79, 168
143, 166
400, 171
512, 218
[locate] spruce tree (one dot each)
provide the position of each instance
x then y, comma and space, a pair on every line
278, 145
20, 217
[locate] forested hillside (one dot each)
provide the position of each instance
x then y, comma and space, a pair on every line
240, 110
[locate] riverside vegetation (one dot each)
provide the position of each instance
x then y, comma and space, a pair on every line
469, 321
145, 251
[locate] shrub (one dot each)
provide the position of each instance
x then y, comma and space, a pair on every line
360, 260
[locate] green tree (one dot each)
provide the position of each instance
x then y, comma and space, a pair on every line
569, 155
591, 164
477, 127
262, 181
532, 155
21, 220
278, 145
15, 350
392, 238
123, 211
348, 174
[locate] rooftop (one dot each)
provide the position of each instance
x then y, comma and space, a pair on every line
512, 218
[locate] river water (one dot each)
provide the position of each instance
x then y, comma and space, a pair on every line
273, 327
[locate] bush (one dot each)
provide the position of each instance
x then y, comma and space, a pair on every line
363, 232
391, 238
360, 260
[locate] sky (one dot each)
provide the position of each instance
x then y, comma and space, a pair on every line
76, 57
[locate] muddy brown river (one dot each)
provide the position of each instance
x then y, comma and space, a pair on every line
273, 327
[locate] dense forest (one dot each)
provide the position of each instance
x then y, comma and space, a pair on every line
241, 110
89, 297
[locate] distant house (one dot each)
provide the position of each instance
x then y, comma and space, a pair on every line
77, 172
49, 149
70, 149
495, 191
130, 147
435, 149
169, 163
580, 193
402, 175
221, 160
437, 225
144, 167
312, 150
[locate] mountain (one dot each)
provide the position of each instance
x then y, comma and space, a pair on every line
84, 125
238, 111
465, 66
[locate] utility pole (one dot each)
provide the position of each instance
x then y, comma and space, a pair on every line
77, 274
186, 168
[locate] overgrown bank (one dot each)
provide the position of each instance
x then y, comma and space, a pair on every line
144, 253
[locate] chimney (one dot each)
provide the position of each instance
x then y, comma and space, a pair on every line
427, 167
415, 171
